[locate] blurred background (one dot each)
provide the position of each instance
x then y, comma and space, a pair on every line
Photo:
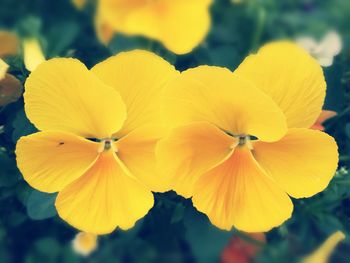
30, 230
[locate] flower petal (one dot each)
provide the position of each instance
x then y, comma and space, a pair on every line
137, 151
61, 94
139, 76
292, 78
104, 198
8, 44
188, 152
51, 160
302, 163
179, 24
224, 99
3, 69
238, 193
33, 54
185, 24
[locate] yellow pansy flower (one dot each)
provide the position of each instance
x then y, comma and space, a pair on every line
105, 182
179, 24
212, 153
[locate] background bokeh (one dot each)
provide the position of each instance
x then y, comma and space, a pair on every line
173, 231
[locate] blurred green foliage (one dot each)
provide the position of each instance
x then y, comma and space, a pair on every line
173, 231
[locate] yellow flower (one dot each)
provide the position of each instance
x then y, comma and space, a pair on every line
79, 4
8, 44
10, 87
321, 255
3, 69
97, 138
33, 55
212, 153
8, 47
179, 24
84, 243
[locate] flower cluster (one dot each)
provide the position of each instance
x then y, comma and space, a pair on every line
240, 143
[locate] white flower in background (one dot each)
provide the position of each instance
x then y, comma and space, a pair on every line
324, 50
84, 243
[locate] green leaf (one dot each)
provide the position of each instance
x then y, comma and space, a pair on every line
41, 205
60, 37
347, 130
122, 43
22, 126
206, 241
9, 174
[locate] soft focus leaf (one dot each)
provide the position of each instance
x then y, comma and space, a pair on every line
41, 205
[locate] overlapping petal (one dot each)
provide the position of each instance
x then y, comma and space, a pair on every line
302, 163
51, 160
61, 94
103, 198
188, 152
139, 77
239, 193
217, 96
291, 77
137, 151
179, 24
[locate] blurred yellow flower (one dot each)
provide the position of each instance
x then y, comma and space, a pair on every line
33, 54
322, 254
97, 138
79, 4
212, 153
10, 87
84, 243
8, 44
3, 69
180, 25
8, 47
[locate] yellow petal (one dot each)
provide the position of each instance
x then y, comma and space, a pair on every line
51, 160
224, 99
131, 17
103, 30
302, 163
8, 44
188, 152
139, 77
322, 254
291, 77
104, 198
32, 54
137, 151
10, 89
3, 68
84, 243
61, 94
179, 24
79, 4
238, 193
185, 25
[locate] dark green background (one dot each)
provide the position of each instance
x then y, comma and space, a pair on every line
173, 231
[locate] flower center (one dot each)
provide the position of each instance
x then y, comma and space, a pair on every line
107, 144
